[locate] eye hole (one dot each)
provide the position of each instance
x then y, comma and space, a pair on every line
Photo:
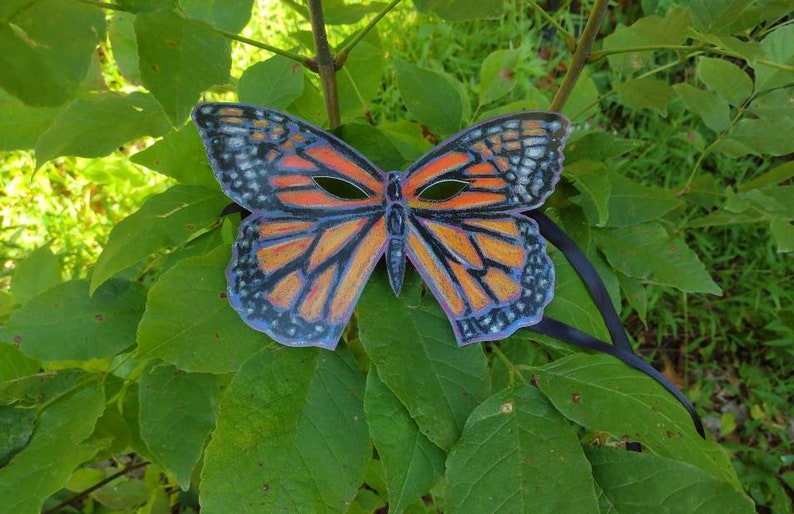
443, 190
340, 188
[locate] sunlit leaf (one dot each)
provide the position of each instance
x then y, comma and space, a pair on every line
274, 83
430, 98
36, 273
230, 15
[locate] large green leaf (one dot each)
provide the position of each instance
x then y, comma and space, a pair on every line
291, 436
430, 98
164, 221
414, 349
411, 462
765, 136
21, 124
178, 59
45, 57
647, 31
603, 394
14, 364
590, 178
180, 155
462, 10
648, 253
517, 454
360, 79
498, 74
778, 47
230, 15
274, 83
712, 109
637, 482
54, 450
174, 402
645, 93
98, 124
65, 323
727, 79
37, 272
121, 33
714, 16
189, 322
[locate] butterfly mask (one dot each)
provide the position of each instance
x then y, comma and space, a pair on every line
304, 254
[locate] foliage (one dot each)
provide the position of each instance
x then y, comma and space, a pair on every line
676, 185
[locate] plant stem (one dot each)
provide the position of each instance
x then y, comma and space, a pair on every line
302, 59
570, 41
344, 53
98, 485
326, 67
580, 56
648, 48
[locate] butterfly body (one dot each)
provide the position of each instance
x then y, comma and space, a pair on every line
302, 258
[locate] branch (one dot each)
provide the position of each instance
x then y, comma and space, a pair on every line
580, 55
325, 63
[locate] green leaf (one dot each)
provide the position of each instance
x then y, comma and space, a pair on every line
584, 99
597, 146
65, 323
783, 232
274, 83
645, 93
180, 155
291, 436
165, 220
517, 454
498, 75
373, 143
398, 335
16, 427
714, 16
727, 79
121, 33
229, 15
648, 253
634, 293
45, 58
14, 364
712, 109
430, 97
359, 81
189, 322
179, 59
462, 10
39, 389
765, 136
44, 465
412, 463
603, 394
778, 47
637, 482
673, 29
174, 402
21, 125
339, 12
776, 175
98, 124
37, 272
590, 178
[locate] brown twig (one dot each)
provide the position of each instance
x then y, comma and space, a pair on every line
326, 67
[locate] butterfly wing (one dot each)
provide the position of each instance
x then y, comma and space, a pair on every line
302, 257
267, 161
485, 263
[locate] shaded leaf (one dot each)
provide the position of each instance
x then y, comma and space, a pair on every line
517, 454
174, 402
412, 463
164, 220
645, 93
764, 136
45, 58
778, 47
65, 323
180, 155
98, 124
44, 465
430, 98
462, 10
21, 125
274, 83
373, 143
637, 482
398, 335
14, 364
189, 322
178, 59
291, 435
590, 178
783, 232
712, 109
775, 175
230, 15
648, 253
596, 146
498, 74
727, 79
715, 16
359, 81
37, 272
602, 393
121, 33
647, 31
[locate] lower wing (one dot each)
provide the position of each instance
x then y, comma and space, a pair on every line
298, 280
490, 274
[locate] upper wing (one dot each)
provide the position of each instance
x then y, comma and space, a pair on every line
490, 273
510, 163
299, 278
267, 161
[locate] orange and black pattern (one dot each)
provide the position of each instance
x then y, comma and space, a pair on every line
302, 258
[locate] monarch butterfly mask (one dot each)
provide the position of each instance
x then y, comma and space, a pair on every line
304, 254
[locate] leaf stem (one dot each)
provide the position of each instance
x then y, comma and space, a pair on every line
82, 494
570, 41
326, 67
580, 55
302, 59
595, 56
344, 52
